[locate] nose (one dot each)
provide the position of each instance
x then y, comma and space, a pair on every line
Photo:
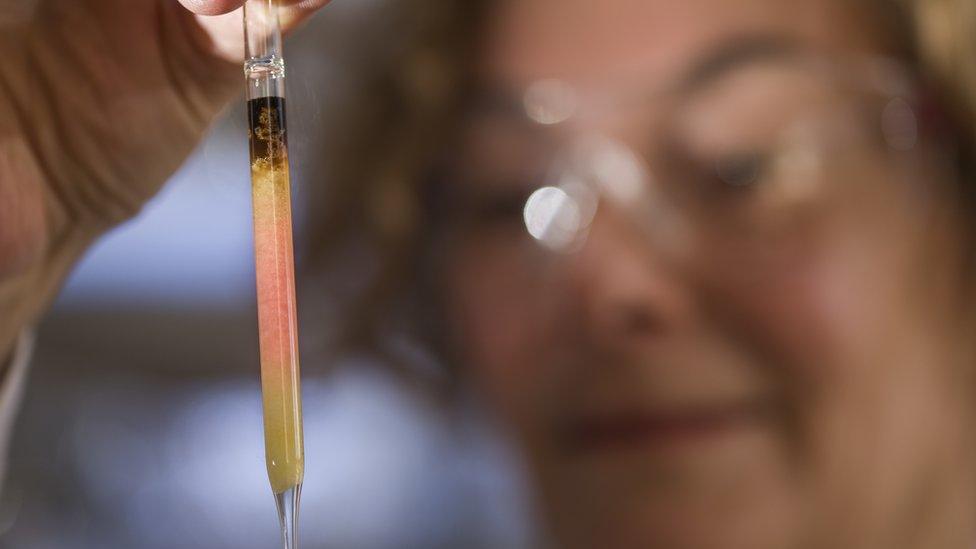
627, 293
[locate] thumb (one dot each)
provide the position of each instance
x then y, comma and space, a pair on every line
221, 23
292, 12
211, 7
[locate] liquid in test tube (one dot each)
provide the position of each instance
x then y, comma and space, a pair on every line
274, 261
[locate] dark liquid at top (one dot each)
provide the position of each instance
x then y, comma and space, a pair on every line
266, 130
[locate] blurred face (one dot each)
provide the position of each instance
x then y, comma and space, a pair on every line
745, 331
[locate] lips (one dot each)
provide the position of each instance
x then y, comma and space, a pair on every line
659, 429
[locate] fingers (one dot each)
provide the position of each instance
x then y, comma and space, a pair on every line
211, 7
220, 7
293, 12
220, 26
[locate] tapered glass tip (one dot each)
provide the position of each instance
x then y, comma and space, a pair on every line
288, 515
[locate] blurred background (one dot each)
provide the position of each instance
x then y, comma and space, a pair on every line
142, 428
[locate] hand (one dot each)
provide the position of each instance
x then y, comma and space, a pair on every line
100, 102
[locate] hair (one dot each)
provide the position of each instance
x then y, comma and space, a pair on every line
945, 43
363, 243
408, 93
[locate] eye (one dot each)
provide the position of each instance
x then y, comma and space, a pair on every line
498, 208
486, 206
741, 170
718, 179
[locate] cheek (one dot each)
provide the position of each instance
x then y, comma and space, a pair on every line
848, 290
857, 326
504, 330
847, 321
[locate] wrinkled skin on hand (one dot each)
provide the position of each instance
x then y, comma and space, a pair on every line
100, 102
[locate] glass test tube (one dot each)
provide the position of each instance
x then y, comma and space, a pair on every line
274, 260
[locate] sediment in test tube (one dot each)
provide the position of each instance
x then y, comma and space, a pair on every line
277, 319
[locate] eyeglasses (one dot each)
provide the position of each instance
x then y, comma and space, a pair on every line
742, 161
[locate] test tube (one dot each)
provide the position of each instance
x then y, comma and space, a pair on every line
264, 70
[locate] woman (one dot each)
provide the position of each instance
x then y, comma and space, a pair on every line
740, 316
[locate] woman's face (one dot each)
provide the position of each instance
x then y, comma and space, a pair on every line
784, 369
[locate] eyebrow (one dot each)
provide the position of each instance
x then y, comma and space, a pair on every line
734, 53
727, 56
